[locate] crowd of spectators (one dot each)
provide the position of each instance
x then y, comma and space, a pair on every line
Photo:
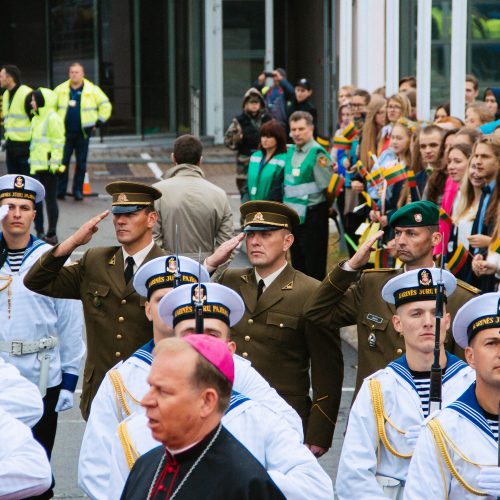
388, 158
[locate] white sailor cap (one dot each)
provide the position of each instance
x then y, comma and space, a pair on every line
479, 313
161, 273
218, 301
22, 187
416, 285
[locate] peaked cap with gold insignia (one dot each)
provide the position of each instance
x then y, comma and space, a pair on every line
268, 216
130, 197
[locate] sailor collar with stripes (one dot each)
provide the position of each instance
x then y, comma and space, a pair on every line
453, 366
33, 245
145, 353
468, 406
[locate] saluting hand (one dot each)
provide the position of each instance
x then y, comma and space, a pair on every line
362, 256
223, 253
80, 237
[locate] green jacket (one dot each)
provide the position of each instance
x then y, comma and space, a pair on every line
265, 182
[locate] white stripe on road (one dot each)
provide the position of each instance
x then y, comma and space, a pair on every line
348, 389
155, 169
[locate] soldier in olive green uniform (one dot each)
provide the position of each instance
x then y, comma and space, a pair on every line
115, 321
273, 334
347, 297
308, 170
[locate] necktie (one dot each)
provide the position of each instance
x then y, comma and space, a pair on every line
129, 270
260, 288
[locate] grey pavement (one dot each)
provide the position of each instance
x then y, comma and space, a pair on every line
125, 162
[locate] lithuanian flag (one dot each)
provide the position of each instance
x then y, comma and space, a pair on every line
341, 142
443, 215
336, 184
376, 175
364, 173
412, 181
395, 174
382, 258
458, 259
350, 132
368, 199
495, 246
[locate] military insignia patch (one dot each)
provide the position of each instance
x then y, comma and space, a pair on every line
323, 161
122, 198
19, 182
425, 277
258, 217
172, 265
199, 294
418, 217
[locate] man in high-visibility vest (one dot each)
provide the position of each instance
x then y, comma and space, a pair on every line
16, 111
83, 106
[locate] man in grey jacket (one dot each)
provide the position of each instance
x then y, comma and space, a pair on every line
199, 208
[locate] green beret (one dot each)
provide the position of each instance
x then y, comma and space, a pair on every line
416, 214
268, 216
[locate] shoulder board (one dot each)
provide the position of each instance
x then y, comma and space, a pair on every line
468, 287
379, 270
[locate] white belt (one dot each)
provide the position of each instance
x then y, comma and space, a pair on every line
19, 348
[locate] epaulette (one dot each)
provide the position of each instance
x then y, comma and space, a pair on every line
379, 269
468, 287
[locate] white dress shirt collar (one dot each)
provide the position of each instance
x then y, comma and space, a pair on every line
269, 279
138, 256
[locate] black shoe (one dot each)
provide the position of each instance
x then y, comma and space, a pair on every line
61, 196
51, 239
78, 196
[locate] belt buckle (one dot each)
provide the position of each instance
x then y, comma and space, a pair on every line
44, 343
16, 348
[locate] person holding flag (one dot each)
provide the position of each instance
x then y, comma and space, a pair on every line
388, 412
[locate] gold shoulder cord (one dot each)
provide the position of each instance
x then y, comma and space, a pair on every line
441, 439
8, 280
120, 392
131, 454
380, 419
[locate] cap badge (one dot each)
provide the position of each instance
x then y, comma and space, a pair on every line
122, 198
418, 217
19, 182
172, 265
258, 217
425, 278
199, 294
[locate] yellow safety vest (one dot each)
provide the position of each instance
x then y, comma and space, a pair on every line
16, 122
94, 103
48, 135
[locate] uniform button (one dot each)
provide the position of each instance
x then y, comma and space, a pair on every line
118, 354
123, 301
247, 337
281, 325
245, 354
250, 321
399, 351
121, 319
119, 336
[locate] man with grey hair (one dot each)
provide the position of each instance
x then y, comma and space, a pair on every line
308, 171
190, 388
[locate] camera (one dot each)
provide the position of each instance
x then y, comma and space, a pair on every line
268, 74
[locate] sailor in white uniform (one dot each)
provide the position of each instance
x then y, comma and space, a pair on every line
392, 403
41, 336
265, 433
124, 386
24, 466
457, 452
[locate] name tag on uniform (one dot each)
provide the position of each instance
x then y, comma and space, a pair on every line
295, 172
253, 190
72, 103
374, 318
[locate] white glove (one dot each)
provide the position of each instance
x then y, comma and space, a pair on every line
65, 401
4, 210
488, 480
412, 434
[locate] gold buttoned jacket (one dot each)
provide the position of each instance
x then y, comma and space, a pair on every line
346, 298
115, 321
285, 348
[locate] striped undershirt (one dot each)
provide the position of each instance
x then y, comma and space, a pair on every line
422, 381
493, 423
15, 259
